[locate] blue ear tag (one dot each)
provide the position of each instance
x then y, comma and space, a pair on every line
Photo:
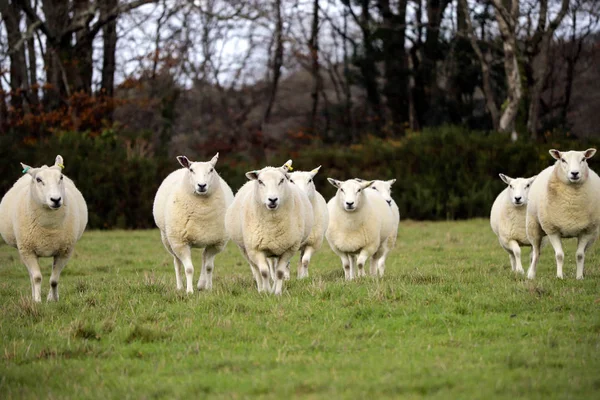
26, 169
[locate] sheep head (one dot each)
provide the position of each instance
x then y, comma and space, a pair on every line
350, 193
201, 176
47, 184
518, 189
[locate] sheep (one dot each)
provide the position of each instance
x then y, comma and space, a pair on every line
507, 218
189, 209
304, 180
384, 188
564, 203
360, 223
269, 219
43, 215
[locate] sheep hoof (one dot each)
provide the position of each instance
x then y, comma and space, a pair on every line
520, 271
559, 276
51, 297
580, 278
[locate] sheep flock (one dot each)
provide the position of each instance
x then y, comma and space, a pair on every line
277, 214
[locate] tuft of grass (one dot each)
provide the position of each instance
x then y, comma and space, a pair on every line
448, 320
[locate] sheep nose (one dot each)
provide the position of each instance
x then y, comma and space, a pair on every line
389, 202
575, 174
349, 203
202, 188
55, 200
518, 198
273, 200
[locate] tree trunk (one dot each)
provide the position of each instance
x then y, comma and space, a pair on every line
32, 56
313, 47
18, 66
392, 33
490, 101
507, 22
277, 61
540, 74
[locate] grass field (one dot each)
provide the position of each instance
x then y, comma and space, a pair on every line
449, 320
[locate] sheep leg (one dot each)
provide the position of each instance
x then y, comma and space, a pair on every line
305, 257
515, 257
33, 267
535, 235
176, 263
583, 242
184, 253
558, 252
360, 263
352, 260
373, 266
262, 264
280, 272
57, 267
208, 266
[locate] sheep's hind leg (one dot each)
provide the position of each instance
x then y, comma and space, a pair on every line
184, 253
305, 257
559, 254
515, 257
208, 266
583, 243
535, 235
57, 267
176, 263
33, 267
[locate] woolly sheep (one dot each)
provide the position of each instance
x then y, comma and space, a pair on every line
43, 215
360, 223
507, 218
304, 180
189, 209
564, 202
269, 220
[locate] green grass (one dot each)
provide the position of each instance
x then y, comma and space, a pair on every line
449, 320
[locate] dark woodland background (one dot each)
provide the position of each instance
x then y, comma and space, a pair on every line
441, 95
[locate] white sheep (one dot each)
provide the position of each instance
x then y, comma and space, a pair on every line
189, 209
305, 181
43, 215
507, 218
360, 223
269, 220
564, 202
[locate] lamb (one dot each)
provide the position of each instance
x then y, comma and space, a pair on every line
360, 223
269, 219
304, 180
189, 209
43, 215
564, 202
507, 218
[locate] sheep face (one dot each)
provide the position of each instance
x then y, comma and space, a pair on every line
572, 165
201, 176
47, 185
518, 189
350, 193
304, 181
271, 187
384, 188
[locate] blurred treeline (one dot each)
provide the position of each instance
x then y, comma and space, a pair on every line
442, 173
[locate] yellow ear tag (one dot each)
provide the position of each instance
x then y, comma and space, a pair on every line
61, 166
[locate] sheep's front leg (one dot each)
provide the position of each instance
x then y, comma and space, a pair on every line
208, 266
57, 267
261, 262
33, 267
361, 260
558, 252
515, 257
280, 271
351, 266
305, 257
184, 253
583, 242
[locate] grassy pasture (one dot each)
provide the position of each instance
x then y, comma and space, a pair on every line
449, 320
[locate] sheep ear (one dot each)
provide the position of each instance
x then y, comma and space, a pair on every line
58, 162
589, 153
359, 180
391, 181
505, 179
252, 175
28, 170
555, 154
334, 182
287, 167
214, 160
366, 184
183, 160
315, 171
530, 180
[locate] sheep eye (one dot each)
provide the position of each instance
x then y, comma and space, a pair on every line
563, 160
374, 188
510, 186
310, 180
527, 186
38, 180
281, 181
61, 177
583, 159
291, 180
358, 190
211, 170
342, 190
260, 182
191, 170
